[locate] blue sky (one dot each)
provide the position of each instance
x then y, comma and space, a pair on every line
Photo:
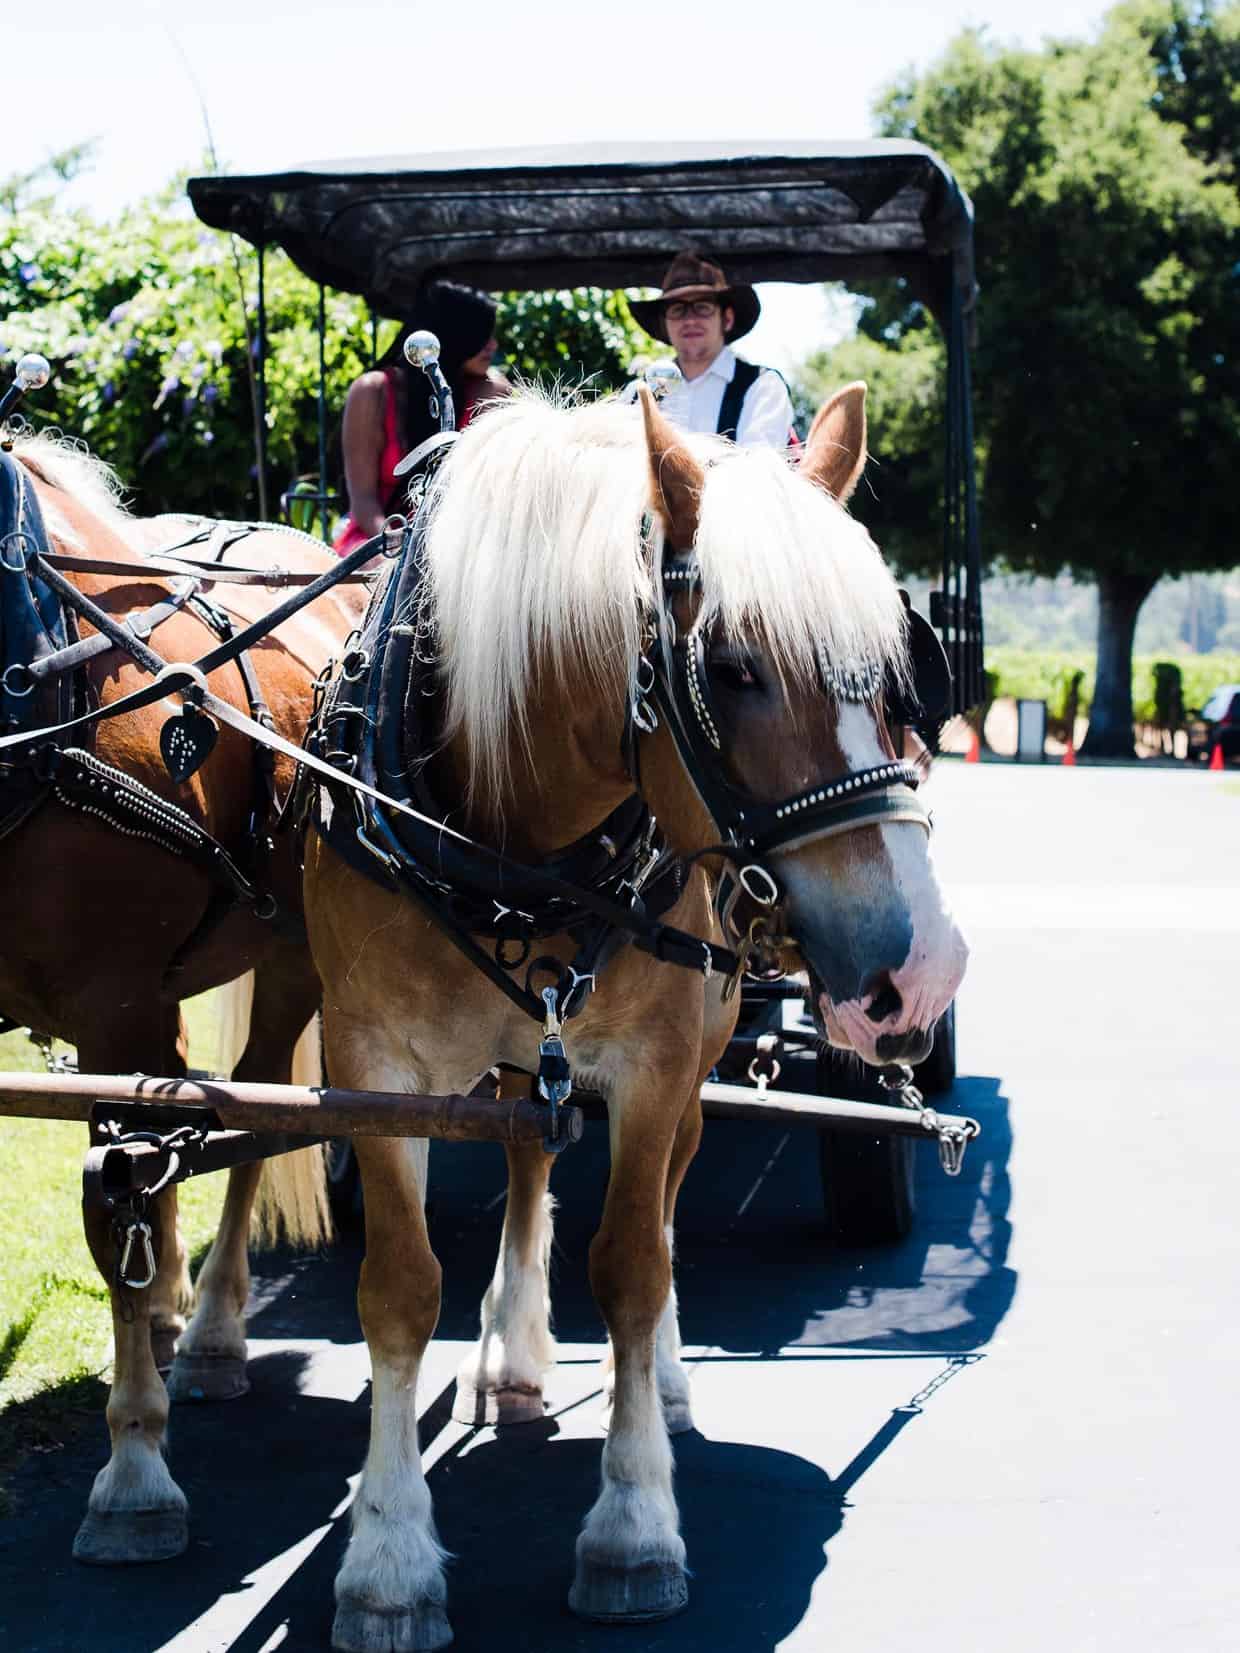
286, 82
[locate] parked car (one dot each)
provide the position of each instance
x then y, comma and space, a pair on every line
1217, 723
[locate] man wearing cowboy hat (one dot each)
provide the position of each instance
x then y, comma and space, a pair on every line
701, 314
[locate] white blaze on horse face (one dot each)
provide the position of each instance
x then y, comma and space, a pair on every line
933, 967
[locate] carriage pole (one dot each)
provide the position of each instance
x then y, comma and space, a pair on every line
293, 1110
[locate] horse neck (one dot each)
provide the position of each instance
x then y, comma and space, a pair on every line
564, 784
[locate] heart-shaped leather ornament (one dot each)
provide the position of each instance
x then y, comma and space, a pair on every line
186, 741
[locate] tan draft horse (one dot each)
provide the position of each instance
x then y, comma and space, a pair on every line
541, 585
103, 940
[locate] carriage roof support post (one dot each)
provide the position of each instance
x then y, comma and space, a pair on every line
260, 386
959, 617
324, 495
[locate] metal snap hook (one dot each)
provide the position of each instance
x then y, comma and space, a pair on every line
138, 1236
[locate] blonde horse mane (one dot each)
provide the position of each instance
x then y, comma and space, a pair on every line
535, 553
65, 463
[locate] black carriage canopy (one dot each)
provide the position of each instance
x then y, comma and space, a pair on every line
613, 214
609, 215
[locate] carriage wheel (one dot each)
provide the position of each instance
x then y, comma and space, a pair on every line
867, 1181
938, 1072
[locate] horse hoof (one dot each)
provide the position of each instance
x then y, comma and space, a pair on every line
120, 1538
501, 1407
418, 1629
628, 1595
164, 1347
677, 1416
207, 1377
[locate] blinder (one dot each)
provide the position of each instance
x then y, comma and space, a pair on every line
929, 701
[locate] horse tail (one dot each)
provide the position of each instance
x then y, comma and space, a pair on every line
291, 1205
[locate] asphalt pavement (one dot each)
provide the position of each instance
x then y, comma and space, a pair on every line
1014, 1429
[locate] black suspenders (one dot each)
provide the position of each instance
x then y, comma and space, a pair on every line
743, 379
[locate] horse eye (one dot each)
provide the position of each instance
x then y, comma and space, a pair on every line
731, 672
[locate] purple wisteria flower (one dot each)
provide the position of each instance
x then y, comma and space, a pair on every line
130, 349
28, 272
214, 350
108, 393
184, 351
155, 447
211, 395
118, 312
207, 437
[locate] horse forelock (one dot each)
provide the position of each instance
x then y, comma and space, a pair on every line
535, 554
68, 466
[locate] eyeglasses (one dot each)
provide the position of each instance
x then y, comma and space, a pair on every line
700, 307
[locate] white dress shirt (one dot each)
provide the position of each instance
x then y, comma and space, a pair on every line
766, 412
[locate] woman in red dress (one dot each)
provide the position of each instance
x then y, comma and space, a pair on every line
388, 409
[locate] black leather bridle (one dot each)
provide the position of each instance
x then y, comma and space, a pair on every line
673, 682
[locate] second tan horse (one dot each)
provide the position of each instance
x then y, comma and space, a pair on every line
106, 932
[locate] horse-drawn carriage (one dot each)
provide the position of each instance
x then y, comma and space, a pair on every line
545, 220
573, 602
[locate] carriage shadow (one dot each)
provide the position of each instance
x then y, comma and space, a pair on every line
268, 1478
755, 1270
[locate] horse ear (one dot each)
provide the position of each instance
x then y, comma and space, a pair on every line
835, 451
676, 477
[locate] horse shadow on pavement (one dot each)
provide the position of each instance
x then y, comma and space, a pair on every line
268, 1478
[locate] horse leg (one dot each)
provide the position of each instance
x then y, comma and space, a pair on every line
136, 1511
171, 1291
390, 1591
501, 1380
211, 1356
630, 1555
672, 1379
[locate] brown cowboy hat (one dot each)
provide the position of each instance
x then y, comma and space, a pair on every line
691, 275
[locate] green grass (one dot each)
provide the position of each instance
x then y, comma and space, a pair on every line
55, 1324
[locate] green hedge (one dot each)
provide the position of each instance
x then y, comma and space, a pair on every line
1044, 674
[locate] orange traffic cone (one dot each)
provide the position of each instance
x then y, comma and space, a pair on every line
974, 754
1216, 756
1069, 757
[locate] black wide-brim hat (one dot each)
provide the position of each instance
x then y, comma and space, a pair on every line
691, 276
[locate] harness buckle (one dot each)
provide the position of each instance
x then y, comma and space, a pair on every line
645, 718
751, 878
554, 1080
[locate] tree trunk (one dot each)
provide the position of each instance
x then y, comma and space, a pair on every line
1110, 718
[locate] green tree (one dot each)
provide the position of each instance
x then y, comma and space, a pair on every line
900, 499
1108, 247
148, 321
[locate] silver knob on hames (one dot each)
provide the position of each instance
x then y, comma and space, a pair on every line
421, 348
661, 377
32, 372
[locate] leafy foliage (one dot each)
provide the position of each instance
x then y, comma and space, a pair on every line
900, 498
144, 323
583, 336
1044, 674
1108, 251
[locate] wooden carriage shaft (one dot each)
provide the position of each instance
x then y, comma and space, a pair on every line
299, 1111
292, 1110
